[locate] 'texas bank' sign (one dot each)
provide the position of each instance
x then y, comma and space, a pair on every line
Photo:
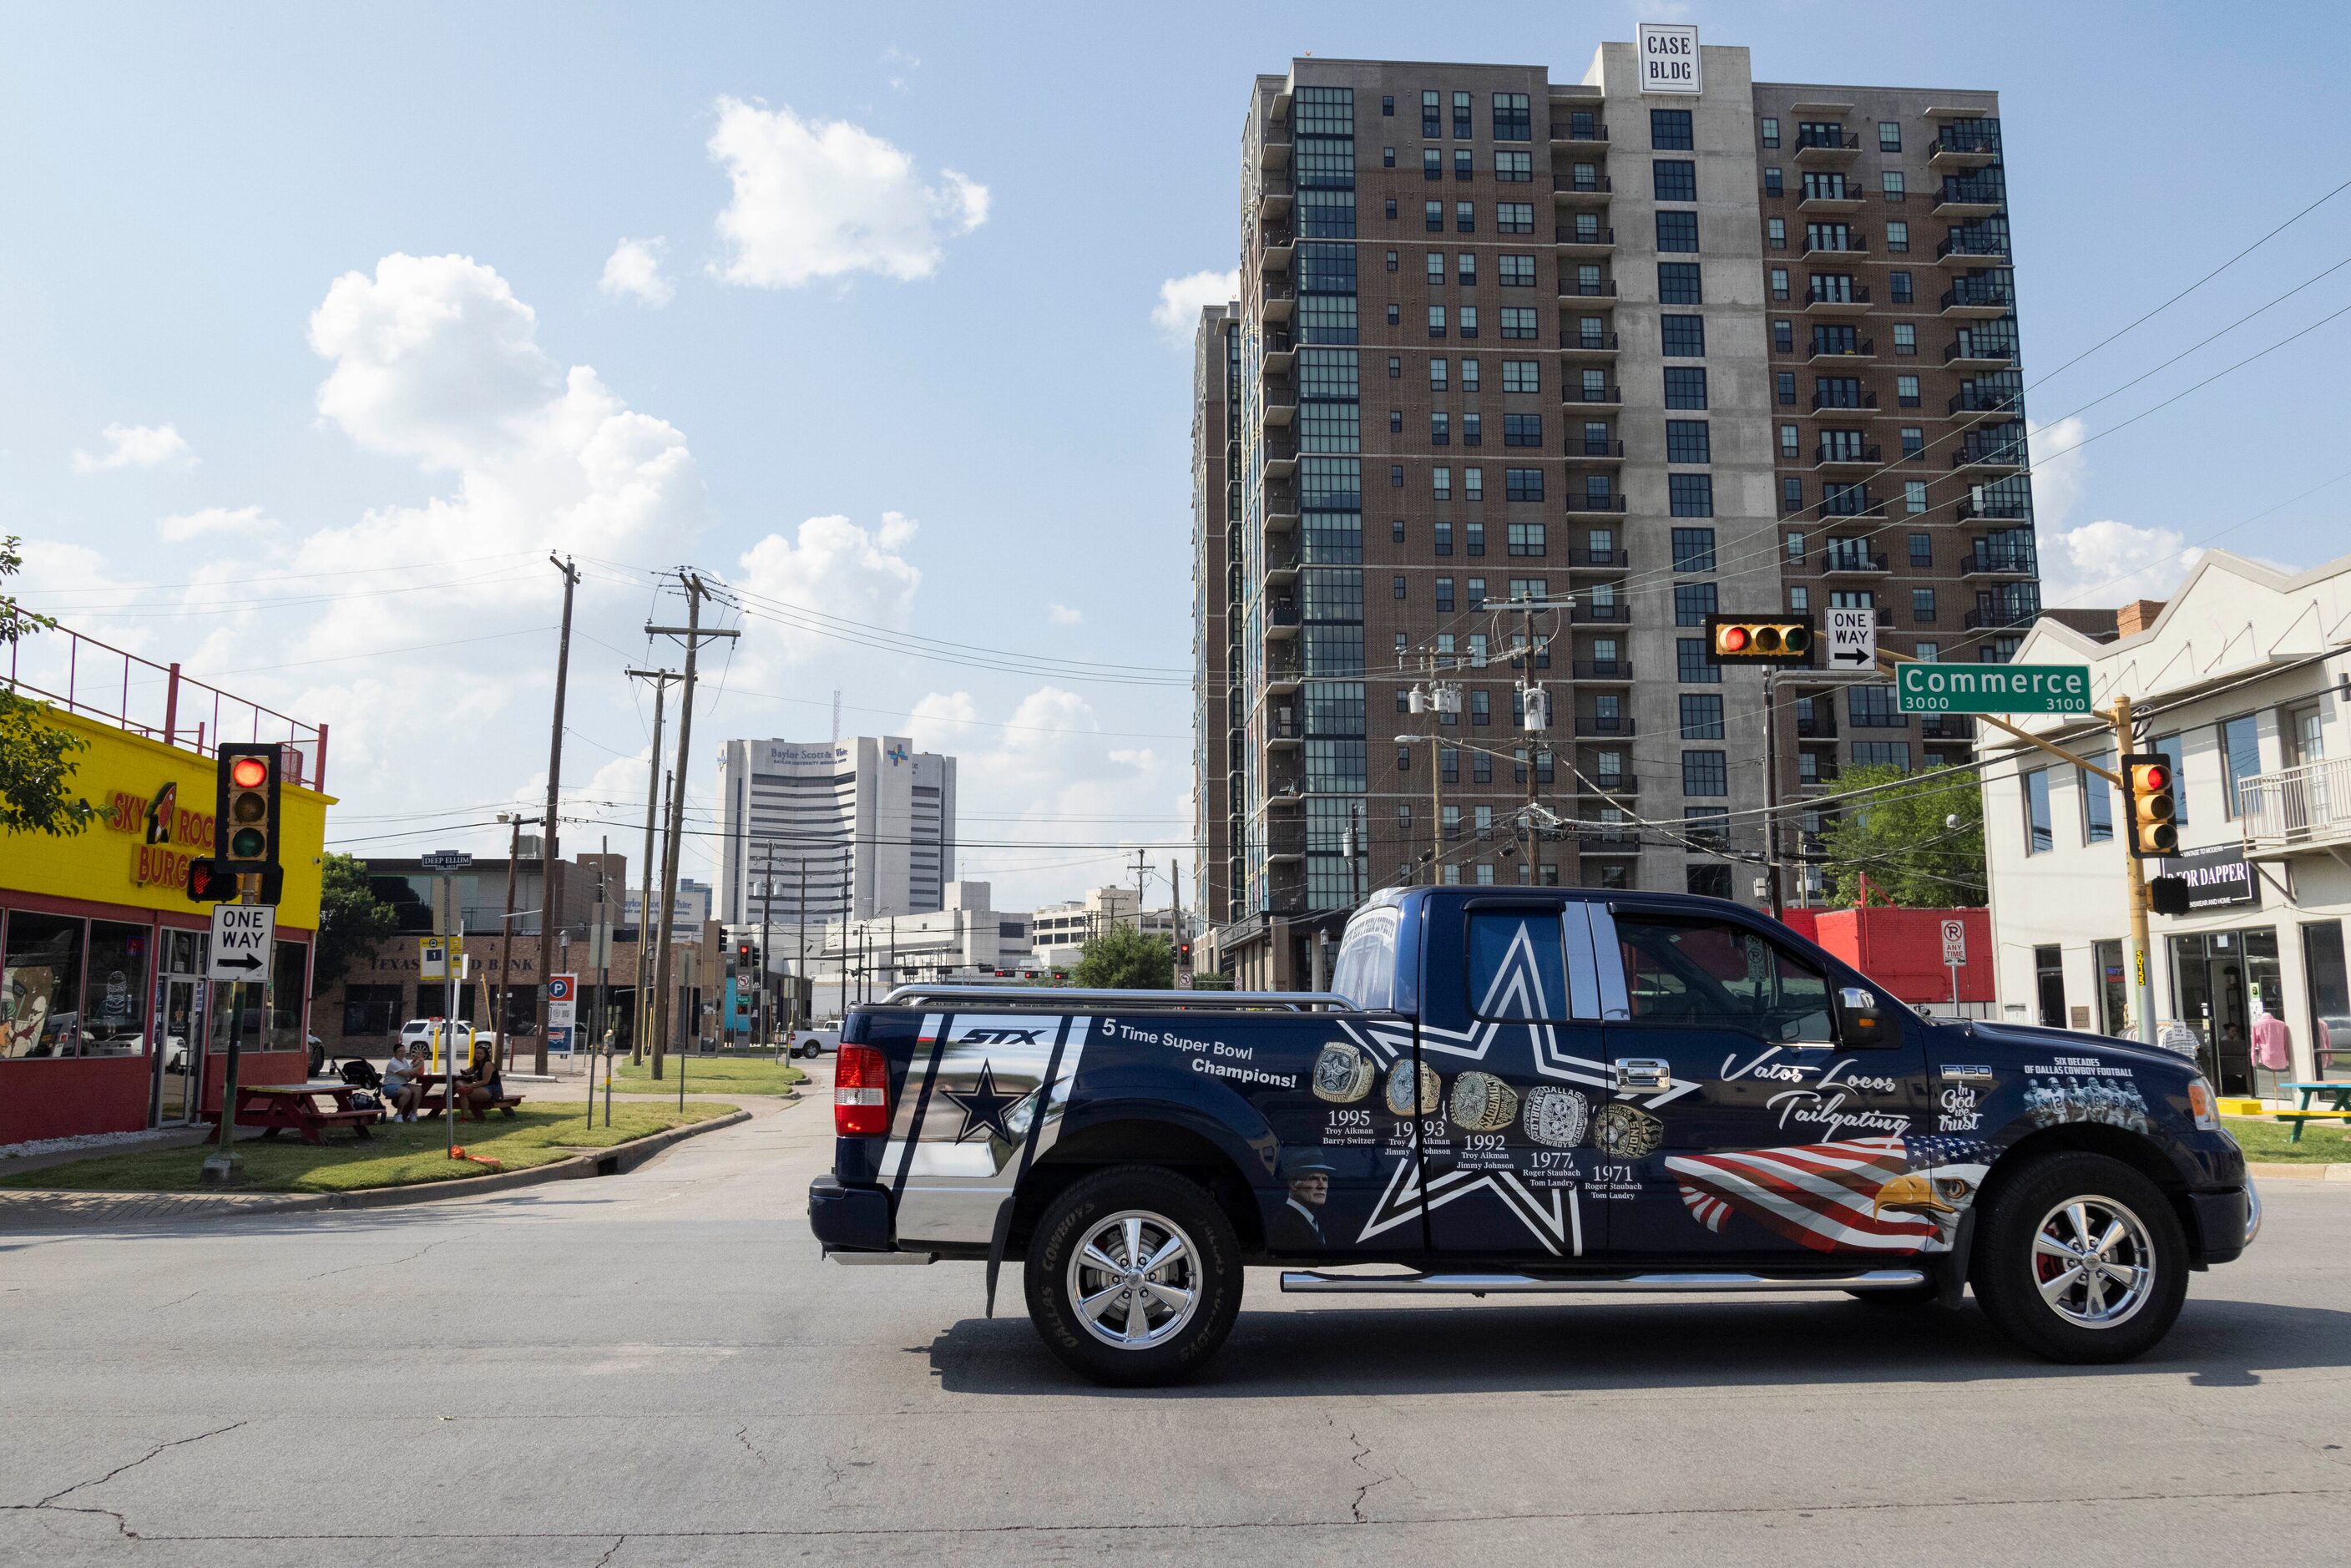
167, 833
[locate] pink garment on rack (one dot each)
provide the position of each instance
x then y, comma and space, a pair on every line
2272, 1042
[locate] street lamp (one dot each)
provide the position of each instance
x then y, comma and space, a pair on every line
1435, 808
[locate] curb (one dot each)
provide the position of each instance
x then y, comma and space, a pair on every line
62, 1206
2264, 1170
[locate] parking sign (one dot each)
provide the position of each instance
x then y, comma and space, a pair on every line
1955, 942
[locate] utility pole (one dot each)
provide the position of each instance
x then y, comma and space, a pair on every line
693, 634
767, 910
638, 1023
2135, 875
1141, 871
799, 966
550, 881
1772, 787
506, 939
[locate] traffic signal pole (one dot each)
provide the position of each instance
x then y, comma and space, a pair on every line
2142, 975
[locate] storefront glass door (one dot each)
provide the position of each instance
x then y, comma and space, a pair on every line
2220, 977
179, 1036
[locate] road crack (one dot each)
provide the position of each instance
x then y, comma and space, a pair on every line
50, 1500
743, 1436
618, 1542
386, 1263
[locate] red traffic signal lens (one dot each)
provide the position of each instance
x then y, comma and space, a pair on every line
248, 773
1734, 638
2154, 778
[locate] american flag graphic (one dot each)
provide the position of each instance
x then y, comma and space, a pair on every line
1821, 1195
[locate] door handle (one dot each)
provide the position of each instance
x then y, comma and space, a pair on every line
1643, 1072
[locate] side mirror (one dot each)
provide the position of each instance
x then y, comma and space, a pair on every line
1860, 1023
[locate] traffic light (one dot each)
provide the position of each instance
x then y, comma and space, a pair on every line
212, 882
2149, 806
1740, 640
2166, 894
244, 832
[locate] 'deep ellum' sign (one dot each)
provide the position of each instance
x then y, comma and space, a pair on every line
1669, 57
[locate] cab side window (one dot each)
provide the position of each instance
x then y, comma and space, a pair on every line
1711, 974
1516, 968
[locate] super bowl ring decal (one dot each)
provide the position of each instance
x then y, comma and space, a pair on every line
1342, 1075
1556, 1116
1401, 1082
1483, 1103
1626, 1131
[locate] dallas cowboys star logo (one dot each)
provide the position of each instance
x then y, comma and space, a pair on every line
983, 1107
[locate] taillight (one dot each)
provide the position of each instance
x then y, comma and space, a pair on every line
861, 1093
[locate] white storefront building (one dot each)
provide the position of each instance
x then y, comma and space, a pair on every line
2244, 680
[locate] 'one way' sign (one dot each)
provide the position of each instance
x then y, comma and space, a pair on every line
1852, 637
243, 936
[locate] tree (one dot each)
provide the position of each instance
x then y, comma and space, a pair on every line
1122, 958
353, 921
35, 756
1904, 840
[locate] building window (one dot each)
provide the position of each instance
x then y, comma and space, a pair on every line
1439, 374
1890, 185
2097, 807
1528, 538
1473, 482
1922, 550
1469, 375
1914, 440
1676, 232
2168, 747
1676, 179
1693, 602
1432, 215
1679, 283
1433, 268
1898, 286
1799, 598
1473, 428
1431, 114
1522, 430
1399, 581
1687, 441
1784, 337
1685, 386
1440, 428
1890, 136
1440, 484
1390, 211
1929, 652
1882, 754
1897, 235
1387, 104
1442, 539
1706, 773
1922, 606
1905, 337
1396, 420
1770, 130
1513, 168
1473, 535
1692, 665
2241, 756
1694, 550
1464, 165
1914, 497
1773, 183
1690, 494
1509, 217
1481, 711
1395, 476
1522, 484
1520, 323
1432, 164
1462, 101
2040, 825
1394, 313
1701, 716
1521, 376
1684, 336
1775, 232
1517, 271
1436, 320
1513, 121
1444, 594
1906, 391
1670, 130
1388, 161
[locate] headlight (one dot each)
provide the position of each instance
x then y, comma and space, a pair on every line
2201, 1105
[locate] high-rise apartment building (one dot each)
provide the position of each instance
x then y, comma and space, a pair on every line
1622, 359
855, 829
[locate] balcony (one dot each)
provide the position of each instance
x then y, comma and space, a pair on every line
1578, 288
1274, 151
1837, 198
1602, 453
1280, 457
1568, 133
1854, 301
1599, 723
1820, 725
1981, 399
1281, 510
2296, 810
1983, 563
1569, 190
2006, 456
1587, 503
1584, 346
1273, 197
1851, 505
1965, 199
1610, 672
1606, 838
1830, 402
1582, 560
1285, 841
1993, 616
1831, 146
1980, 351
1852, 243
1282, 675
1280, 246
1616, 612
1282, 563
1993, 510
1280, 354
1836, 348
1586, 242
1598, 783
1973, 246
1280, 622
1283, 730
1602, 396
1978, 297
1964, 146
1277, 295
1946, 727
1819, 776
1840, 456
1853, 562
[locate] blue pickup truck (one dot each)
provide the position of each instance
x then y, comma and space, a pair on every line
1517, 1091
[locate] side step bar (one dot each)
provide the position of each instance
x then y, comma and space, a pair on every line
1307, 1282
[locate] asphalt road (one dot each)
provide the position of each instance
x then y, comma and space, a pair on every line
658, 1369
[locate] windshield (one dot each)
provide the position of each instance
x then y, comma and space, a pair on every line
1365, 972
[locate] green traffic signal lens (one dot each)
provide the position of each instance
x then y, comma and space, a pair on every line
248, 844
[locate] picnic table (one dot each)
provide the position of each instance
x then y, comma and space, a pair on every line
277, 1107
2338, 1089
434, 1099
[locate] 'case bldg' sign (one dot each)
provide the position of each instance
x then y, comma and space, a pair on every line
154, 812
1669, 58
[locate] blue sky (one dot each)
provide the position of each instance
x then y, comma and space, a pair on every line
965, 371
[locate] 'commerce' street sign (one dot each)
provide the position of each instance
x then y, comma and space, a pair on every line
1993, 688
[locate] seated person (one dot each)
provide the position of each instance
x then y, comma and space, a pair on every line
400, 1089
481, 1083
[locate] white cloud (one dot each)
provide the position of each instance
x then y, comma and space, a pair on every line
634, 272
902, 67
825, 198
2107, 563
834, 566
181, 526
134, 446
2057, 482
1181, 300
1063, 615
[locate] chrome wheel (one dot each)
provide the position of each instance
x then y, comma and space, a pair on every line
1134, 1280
2093, 1262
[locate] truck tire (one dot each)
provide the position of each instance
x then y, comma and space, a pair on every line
1134, 1276
2081, 1261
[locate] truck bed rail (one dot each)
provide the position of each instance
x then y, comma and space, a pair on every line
1028, 998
